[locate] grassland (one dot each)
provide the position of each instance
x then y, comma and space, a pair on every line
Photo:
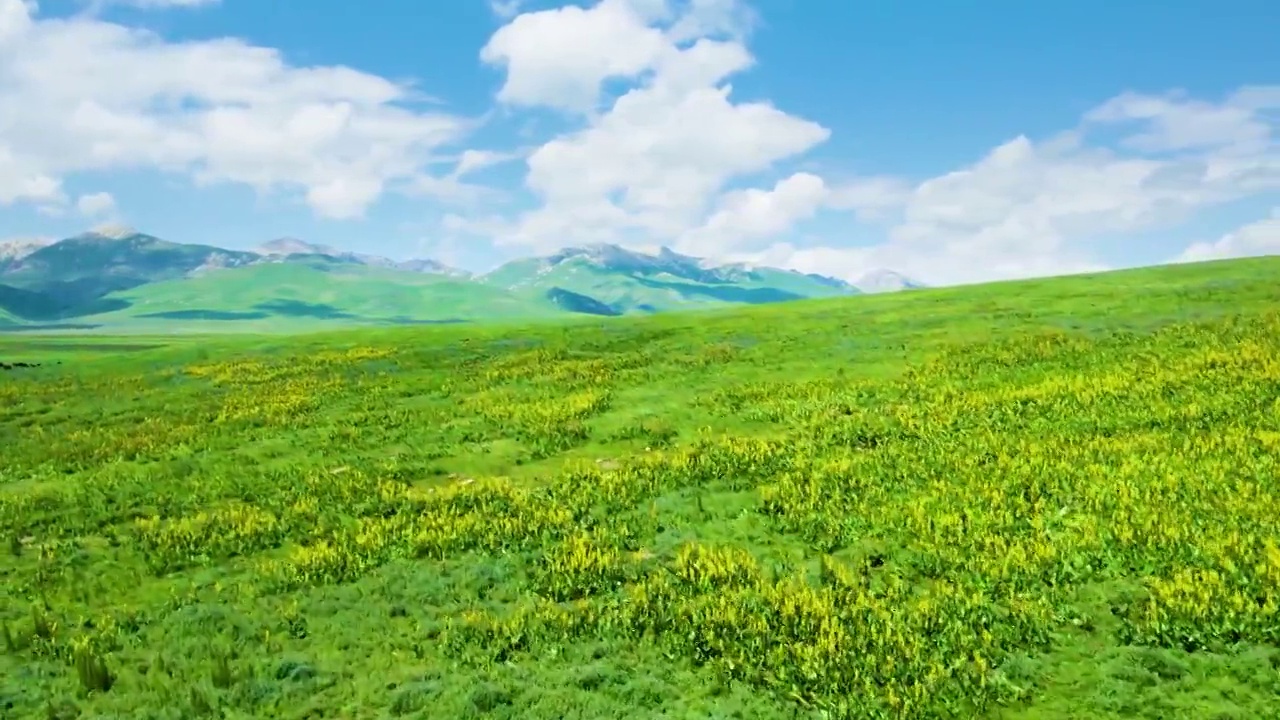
1050, 499
640, 293
310, 297
143, 285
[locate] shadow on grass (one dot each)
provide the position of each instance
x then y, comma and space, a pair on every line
579, 303
290, 309
299, 309
750, 296
39, 327
205, 315
57, 301
402, 320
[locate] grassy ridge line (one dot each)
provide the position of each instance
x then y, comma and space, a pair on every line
368, 293
150, 287
270, 464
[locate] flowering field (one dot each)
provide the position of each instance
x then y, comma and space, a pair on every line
1050, 499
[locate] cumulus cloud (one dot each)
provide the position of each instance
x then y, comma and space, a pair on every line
1026, 208
558, 58
744, 215
96, 205
1036, 208
660, 150
1039, 208
474, 160
653, 162
1176, 122
82, 94
653, 165
1257, 238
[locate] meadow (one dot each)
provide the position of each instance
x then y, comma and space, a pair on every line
1044, 499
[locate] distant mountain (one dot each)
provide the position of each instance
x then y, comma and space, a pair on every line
879, 281
117, 277
74, 276
283, 249
292, 246
633, 282
421, 265
267, 293
13, 250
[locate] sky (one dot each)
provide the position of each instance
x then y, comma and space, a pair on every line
951, 142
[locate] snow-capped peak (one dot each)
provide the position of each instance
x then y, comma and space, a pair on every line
885, 280
18, 248
113, 231
292, 246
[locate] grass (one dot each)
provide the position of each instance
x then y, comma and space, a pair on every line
312, 296
1046, 499
640, 294
315, 294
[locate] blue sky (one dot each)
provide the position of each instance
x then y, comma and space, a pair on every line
951, 141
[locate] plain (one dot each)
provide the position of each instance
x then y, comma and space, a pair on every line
1042, 499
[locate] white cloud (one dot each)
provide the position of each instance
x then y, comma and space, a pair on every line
558, 58
652, 164
20, 180
653, 167
1175, 122
674, 159
1258, 238
97, 204
872, 198
712, 18
473, 160
83, 94
505, 9
1040, 208
744, 215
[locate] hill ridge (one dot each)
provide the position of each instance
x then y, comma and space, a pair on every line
118, 275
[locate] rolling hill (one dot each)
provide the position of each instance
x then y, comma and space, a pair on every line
315, 293
120, 279
1049, 499
632, 282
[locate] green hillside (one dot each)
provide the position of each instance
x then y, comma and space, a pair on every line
136, 283
795, 283
297, 294
631, 291
1048, 499
80, 270
7, 319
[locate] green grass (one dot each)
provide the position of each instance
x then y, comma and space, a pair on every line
141, 294
632, 293
301, 296
1048, 499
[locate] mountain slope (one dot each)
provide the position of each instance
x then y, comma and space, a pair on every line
117, 277
294, 293
81, 269
630, 282
11, 251
294, 250
30, 304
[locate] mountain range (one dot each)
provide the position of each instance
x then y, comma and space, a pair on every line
119, 279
